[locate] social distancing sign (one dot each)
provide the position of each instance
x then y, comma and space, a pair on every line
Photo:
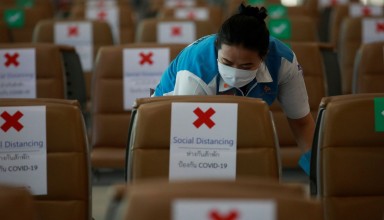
142, 69
379, 114
226, 209
176, 32
372, 30
79, 35
108, 13
203, 141
17, 73
201, 14
23, 147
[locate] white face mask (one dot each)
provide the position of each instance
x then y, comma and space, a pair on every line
236, 77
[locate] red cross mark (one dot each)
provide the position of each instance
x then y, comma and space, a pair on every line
215, 215
366, 11
379, 27
73, 31
11, 59
11, 121
176, 31
101, 15
146, 58
204, 117
191, 15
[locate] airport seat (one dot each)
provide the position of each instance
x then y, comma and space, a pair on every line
68, 171
24, 32
50, 76
337, 16
16, 203
314, 77
213, 13
346, 156
368, 73
349, 42
126, 20
101, 34
148, 149
5, 35
157, 5
147, 29
161, 196
110, 121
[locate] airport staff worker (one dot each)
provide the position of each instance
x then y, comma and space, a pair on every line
243, 59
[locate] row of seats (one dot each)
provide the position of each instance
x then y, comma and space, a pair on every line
346, 153
110, 119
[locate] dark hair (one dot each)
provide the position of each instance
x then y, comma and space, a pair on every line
247, 28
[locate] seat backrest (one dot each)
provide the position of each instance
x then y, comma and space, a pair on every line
21, 29
149, 141
314, 77
339, 12
351, 38
101, 36
212, 13
50, 82
125, 30
349, 150
5, 35
109, 119
68, 171
161, 196
147, 29
368, 73
16, 203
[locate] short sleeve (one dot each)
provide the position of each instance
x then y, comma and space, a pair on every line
292, 91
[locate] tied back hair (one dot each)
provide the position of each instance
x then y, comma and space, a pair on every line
259, 13
247, 28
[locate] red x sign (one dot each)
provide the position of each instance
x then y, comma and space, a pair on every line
11, 121
191, 15
366, 11
11, 59
73, 31
215, 215
101, 15
204, 117
380, 27
176, 31
146, 58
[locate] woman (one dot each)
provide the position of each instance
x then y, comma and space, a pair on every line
242, 59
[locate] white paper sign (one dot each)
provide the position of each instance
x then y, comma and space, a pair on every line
359, 10
176, 32
183, 209
142, 68
17, 73
179, 3
372, 30
23, 147
101, 3
203, 141
326, 3
192, 13
79, 35
108, 14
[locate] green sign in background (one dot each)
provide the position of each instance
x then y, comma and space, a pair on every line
379, 114
256, 2
25, 3
280, 28
14, 18
276, 11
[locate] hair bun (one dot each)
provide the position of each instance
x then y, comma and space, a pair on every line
259, 13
